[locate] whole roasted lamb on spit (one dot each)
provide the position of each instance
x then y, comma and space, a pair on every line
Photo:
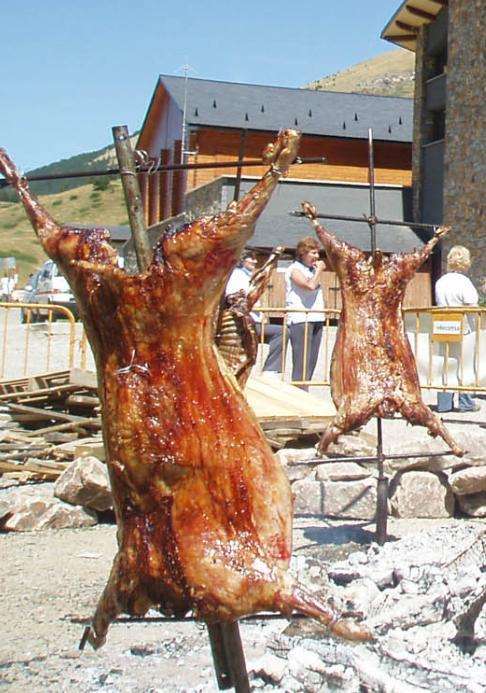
236, 335
204, 509
373, 371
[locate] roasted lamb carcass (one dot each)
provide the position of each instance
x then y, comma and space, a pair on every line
203, 507
373, 371
236, 336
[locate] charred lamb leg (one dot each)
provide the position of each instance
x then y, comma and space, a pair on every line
373, 371
203, 508
236, 336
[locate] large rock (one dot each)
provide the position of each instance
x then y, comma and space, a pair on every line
290, 456
422, 494
473, 441
473, 505
85, 482
355, 500
307, 497
341, 471
355, 444
466, 481
31, 513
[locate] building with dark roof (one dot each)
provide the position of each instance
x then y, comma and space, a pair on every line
449, 147
220, 120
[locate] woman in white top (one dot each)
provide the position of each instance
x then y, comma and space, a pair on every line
451, 290
303, 292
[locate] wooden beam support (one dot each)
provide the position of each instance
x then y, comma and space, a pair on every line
153, 198
177, 182
420, 13
407, 27
402, 37
164, 186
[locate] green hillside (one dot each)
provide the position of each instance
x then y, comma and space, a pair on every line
85, 205
97, 160
387, 74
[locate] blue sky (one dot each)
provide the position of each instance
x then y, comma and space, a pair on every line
70, 69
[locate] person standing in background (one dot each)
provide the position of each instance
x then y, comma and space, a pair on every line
240, 280
303, 292
455, 289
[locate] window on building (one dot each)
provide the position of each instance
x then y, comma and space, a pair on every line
436, 126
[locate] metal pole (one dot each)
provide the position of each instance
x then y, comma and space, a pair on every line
382, 484
133, 197
381, 490
371, 178
364, 220
228, 657
171, 167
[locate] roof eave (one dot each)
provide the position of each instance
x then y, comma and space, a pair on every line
405, 24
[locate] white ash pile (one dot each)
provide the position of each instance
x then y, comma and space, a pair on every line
79, 498
423, 487
424, 597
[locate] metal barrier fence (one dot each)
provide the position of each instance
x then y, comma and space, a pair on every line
32, 343
458, 365
30, 347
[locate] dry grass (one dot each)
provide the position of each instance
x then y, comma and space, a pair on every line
388, 74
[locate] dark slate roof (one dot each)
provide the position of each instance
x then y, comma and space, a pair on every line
275, 226
325, 113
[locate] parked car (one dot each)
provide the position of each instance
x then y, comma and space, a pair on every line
48, 285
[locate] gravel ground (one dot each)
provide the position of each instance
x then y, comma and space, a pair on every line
52, 579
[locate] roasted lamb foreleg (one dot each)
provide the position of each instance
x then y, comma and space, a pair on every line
203, 507
373, 371
236, 336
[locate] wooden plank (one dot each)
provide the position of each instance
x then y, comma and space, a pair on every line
45, 413
70, 425
82, 401
83, 378
38, 394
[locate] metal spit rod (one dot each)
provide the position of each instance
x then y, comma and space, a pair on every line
249, 163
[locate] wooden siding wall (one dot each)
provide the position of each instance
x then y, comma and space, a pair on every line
346, 160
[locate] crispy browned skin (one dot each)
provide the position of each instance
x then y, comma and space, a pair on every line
203, 508
373, 371
236, 336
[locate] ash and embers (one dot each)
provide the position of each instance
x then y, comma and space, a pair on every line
425, 598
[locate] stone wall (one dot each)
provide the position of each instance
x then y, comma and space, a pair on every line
465, 157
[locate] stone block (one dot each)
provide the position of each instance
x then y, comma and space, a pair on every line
33, 513
307, 497
422, 494
85, 482
468, 481
341, 471
289, 456
355, 500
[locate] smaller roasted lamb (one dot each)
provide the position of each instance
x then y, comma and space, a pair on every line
373, 371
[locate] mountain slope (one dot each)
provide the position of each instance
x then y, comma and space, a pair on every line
387, 74
85, 205
97, 160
